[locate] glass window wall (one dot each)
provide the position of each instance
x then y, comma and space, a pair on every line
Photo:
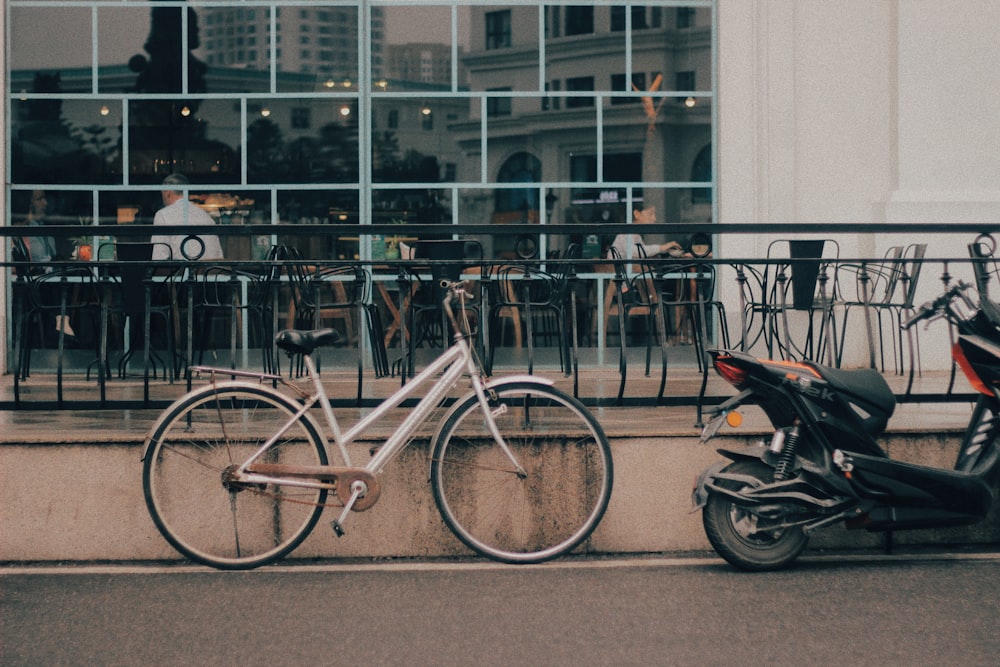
352, 112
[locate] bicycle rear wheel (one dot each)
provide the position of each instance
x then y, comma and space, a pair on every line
198, 509
522, 518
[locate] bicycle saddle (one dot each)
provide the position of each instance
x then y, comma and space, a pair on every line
296, 341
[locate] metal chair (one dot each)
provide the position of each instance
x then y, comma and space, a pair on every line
61, 292
222, 293
875, 287
891, 286
800, 278
425, 318
687, 289
543, 303
134, 294
909, 277
637, 296
343, 293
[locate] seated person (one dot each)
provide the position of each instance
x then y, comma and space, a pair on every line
39, 248
625, 243
177, 210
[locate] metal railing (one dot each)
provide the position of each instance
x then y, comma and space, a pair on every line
594, 274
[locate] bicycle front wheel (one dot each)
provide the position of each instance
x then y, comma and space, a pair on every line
191, 495
542, 511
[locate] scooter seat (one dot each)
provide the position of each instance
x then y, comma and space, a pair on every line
911, 485
865, 384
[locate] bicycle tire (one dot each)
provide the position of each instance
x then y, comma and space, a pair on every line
529, 519
228, 526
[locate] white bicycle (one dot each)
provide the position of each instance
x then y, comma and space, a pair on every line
236, 473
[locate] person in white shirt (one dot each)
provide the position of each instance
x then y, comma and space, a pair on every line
626, 243
177, 210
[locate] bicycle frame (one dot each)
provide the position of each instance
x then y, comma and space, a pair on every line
456, 361
236, 474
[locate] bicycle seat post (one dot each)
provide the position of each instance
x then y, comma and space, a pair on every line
324, 402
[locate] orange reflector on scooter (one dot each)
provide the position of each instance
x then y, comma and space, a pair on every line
734, 419
958, 354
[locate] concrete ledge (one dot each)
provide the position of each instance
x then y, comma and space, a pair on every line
83, 502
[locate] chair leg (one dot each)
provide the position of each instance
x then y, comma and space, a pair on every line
190, 336
359, 319
661, 332
623, 346
21, 348
700, 337
376, 335
62, 347
529, 319
574, 352
147, 334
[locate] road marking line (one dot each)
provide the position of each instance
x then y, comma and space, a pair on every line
292, 567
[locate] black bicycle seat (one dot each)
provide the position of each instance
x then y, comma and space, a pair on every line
297, 341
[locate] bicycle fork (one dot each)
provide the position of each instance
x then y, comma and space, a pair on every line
491, 424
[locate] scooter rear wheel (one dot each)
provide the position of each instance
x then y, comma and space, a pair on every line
739, 535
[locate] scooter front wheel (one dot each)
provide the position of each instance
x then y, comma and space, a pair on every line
743, 537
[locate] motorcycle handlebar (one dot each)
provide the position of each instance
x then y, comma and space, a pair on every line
933, 308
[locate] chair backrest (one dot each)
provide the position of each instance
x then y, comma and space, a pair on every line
567, 270
298, 278
888, 276
454, 255
877, 281
19, 253
137, 256
49, 288
617, 262
216, 286
338, 287
264, 276
802, 277
695, 282
638, 290
514, 280
460, 253
912, 265
982, 257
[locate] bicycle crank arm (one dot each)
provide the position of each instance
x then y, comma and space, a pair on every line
358, 490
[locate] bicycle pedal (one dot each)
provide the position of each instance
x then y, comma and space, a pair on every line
338, 530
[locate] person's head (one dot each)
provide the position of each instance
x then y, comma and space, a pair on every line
644, 216
173, 188
38, 205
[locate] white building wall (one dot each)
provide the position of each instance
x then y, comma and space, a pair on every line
949, 138
859, 111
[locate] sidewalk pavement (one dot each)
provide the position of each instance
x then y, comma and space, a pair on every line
71, 489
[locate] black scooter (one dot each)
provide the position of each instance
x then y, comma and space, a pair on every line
823, 464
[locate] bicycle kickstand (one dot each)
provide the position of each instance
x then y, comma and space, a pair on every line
358, 490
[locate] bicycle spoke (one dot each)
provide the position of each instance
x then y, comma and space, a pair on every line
535, 514
193, 490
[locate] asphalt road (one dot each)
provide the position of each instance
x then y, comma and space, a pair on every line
938, 610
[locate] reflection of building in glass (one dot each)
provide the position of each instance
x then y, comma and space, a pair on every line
426, 63
664, 138
502, 113
308, 39
299, 139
